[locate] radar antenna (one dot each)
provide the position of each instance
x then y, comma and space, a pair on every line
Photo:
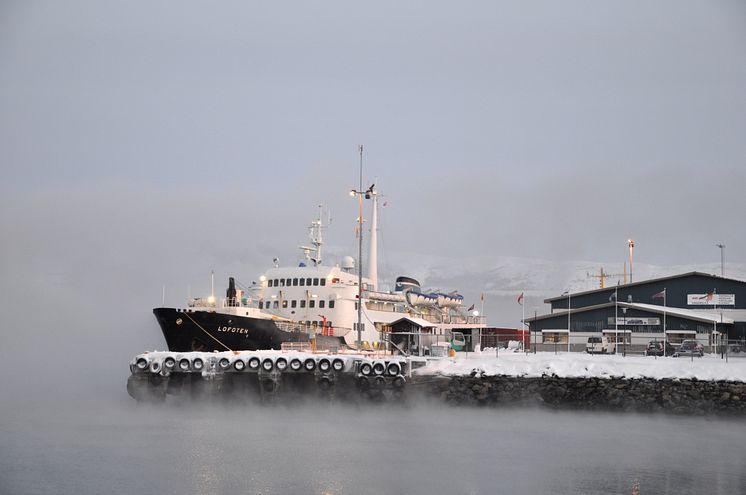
316, 237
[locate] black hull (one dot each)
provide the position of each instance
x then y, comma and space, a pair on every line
207, 331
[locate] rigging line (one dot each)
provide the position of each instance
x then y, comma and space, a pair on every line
208, 333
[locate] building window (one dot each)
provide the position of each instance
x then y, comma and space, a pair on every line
277, 282
554, 337
269, 283
322, 282
284, 304
331, 303
295, 282
312, 303
302, 303
321, 303
261, 304
276, 304
315, 281
302, 282
308, 281
293, 303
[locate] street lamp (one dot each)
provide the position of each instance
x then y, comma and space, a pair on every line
631, 244
360, 193
722, 259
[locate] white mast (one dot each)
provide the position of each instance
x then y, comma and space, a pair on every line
373, 257
316, 238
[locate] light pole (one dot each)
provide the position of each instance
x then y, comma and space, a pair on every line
360, 193
616, 319
624, 333
631, 244
536, 341
722, 259
569, 308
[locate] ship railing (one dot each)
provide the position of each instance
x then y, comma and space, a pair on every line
205, 302
294, 326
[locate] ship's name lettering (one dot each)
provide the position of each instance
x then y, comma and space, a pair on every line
233, 329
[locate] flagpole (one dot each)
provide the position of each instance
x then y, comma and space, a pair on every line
523, 319
616, 318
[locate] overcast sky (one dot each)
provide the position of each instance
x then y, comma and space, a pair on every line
143, 143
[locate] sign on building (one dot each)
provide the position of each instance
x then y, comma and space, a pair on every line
635, 320
711, 299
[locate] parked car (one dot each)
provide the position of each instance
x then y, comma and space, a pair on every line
655, 348
689, 348
599, 345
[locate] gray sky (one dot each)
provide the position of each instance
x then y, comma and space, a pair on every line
145, 143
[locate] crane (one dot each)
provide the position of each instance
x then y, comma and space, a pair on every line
603, 275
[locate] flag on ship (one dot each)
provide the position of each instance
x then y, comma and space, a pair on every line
470, 308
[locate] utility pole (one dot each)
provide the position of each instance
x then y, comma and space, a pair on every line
722, 259
631, 244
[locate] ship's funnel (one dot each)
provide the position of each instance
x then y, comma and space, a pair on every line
404, 284
230, 294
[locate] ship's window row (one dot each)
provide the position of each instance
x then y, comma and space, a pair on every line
295, 282
294, 303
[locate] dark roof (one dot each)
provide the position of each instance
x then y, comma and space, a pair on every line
651, 308
642, 282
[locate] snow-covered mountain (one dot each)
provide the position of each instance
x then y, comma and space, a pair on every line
503, 278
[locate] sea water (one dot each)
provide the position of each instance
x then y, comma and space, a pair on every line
113, 445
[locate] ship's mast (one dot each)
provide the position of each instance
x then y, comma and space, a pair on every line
373, 256
315, 234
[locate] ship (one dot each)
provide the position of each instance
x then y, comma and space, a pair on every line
313, 304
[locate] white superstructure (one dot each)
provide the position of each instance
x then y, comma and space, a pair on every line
325, 297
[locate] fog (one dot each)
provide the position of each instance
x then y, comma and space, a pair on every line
146, 145
332, 448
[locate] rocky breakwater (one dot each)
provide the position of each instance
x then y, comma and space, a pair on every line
681, 396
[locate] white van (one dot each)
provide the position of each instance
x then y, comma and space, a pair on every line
599, 345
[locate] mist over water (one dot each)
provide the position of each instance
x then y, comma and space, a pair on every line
114, 445
144, 146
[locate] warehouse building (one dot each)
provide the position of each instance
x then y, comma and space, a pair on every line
687, 306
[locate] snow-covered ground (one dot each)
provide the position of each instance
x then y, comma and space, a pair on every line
709, 367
